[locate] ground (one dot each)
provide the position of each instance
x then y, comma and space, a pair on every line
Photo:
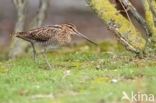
81, 74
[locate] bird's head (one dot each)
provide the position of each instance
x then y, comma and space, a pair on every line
72, 30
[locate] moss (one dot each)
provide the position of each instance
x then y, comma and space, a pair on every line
108, 13
3, 68
150, 20
75, 77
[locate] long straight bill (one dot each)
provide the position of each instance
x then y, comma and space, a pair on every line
85, 37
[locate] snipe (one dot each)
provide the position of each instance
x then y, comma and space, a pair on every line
54, 36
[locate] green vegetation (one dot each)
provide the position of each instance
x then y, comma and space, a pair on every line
81, 74
125, 31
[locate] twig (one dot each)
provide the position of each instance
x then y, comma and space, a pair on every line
126, 11
137, 16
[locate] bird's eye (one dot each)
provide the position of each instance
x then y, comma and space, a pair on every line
70, 27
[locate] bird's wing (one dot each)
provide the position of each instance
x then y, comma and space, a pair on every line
41, 34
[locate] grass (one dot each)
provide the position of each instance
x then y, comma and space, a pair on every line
82, 74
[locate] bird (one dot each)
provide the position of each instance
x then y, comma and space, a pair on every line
51, 35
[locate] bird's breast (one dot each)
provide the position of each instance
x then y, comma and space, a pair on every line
63, 39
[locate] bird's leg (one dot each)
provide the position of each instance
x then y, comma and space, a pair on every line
45, 56
34, 51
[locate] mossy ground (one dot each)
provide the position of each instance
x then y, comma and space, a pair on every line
81, 74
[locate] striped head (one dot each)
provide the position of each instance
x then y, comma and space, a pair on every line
72, 30
69, 28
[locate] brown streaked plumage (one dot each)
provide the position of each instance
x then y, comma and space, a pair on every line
55, 35
51, 35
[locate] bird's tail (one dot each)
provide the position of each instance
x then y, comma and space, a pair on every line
17, 34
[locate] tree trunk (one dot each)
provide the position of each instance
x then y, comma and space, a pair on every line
19, 46
150, 16
122, 27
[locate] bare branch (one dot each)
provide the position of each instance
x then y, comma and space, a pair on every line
41, 14
137, 16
